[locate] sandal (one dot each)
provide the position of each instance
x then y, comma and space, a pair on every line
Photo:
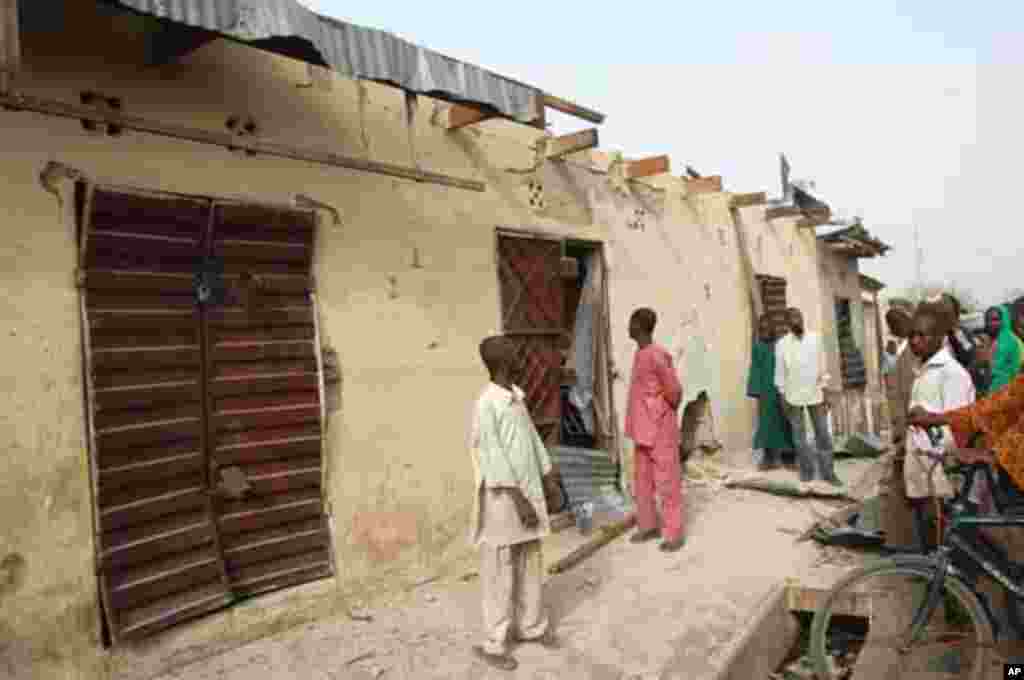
672, 546
503, 662
548, 641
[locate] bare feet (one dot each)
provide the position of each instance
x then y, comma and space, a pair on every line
503, 662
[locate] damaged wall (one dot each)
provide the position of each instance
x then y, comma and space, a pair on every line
407, 286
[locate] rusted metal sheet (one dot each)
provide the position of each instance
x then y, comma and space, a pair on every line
773, 298
179, 391
265, 404
531, 288
158, 558
533, 315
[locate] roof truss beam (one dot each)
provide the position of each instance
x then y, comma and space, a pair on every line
53, 107
703, 185
746, 200
572, 109
648, 167
572, 143
783, 211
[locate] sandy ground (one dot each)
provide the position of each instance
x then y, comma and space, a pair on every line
627, 612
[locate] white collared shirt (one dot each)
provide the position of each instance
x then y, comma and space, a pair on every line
941, 385
800, 369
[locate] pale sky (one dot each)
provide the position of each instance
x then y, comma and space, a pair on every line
908, 114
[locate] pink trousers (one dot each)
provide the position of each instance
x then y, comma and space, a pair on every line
657, 471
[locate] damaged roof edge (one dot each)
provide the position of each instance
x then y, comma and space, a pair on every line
351, 50
870, 283
856, 234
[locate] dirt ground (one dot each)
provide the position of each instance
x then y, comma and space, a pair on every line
627, 612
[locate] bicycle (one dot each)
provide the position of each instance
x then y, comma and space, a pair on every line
945, 580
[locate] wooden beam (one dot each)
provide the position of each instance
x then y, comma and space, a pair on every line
540, 117
655, 165
10, 44
804, 599
782, 211
879, 347
566, 106
811, 222
461, 115
53, 107
745, 200
571, 143
704, 185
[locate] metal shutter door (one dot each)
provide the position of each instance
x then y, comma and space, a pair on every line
265, 399
158, 557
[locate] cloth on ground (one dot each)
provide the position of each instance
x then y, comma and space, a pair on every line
582, 393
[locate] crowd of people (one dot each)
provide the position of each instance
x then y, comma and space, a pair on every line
955, 393
951, 393
512, 463
788, 376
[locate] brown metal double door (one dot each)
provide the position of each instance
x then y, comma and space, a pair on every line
205, 413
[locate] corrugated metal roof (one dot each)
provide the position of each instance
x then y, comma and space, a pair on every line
590, 476
351, 50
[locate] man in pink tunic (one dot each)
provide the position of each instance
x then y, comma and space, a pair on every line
651, 422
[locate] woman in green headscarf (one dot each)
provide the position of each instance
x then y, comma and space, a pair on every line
1007, 348
774, 435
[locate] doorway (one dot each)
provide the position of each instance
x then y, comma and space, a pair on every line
554, 305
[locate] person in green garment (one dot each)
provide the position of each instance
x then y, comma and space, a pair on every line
773, 435
1006, 354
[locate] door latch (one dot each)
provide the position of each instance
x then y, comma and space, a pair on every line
233, 483
209, 282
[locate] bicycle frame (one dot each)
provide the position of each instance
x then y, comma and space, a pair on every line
961, 538
995, 565
944, 567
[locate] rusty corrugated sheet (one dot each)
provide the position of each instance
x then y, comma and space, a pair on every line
158, 556
584, 472
773, 298
351, 50
532, 316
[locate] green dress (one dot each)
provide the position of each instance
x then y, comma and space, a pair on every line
1007, 360
773, 430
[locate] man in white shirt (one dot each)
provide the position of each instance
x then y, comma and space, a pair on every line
941, 385
800, 375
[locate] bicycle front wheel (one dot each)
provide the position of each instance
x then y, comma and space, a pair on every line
861, 628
